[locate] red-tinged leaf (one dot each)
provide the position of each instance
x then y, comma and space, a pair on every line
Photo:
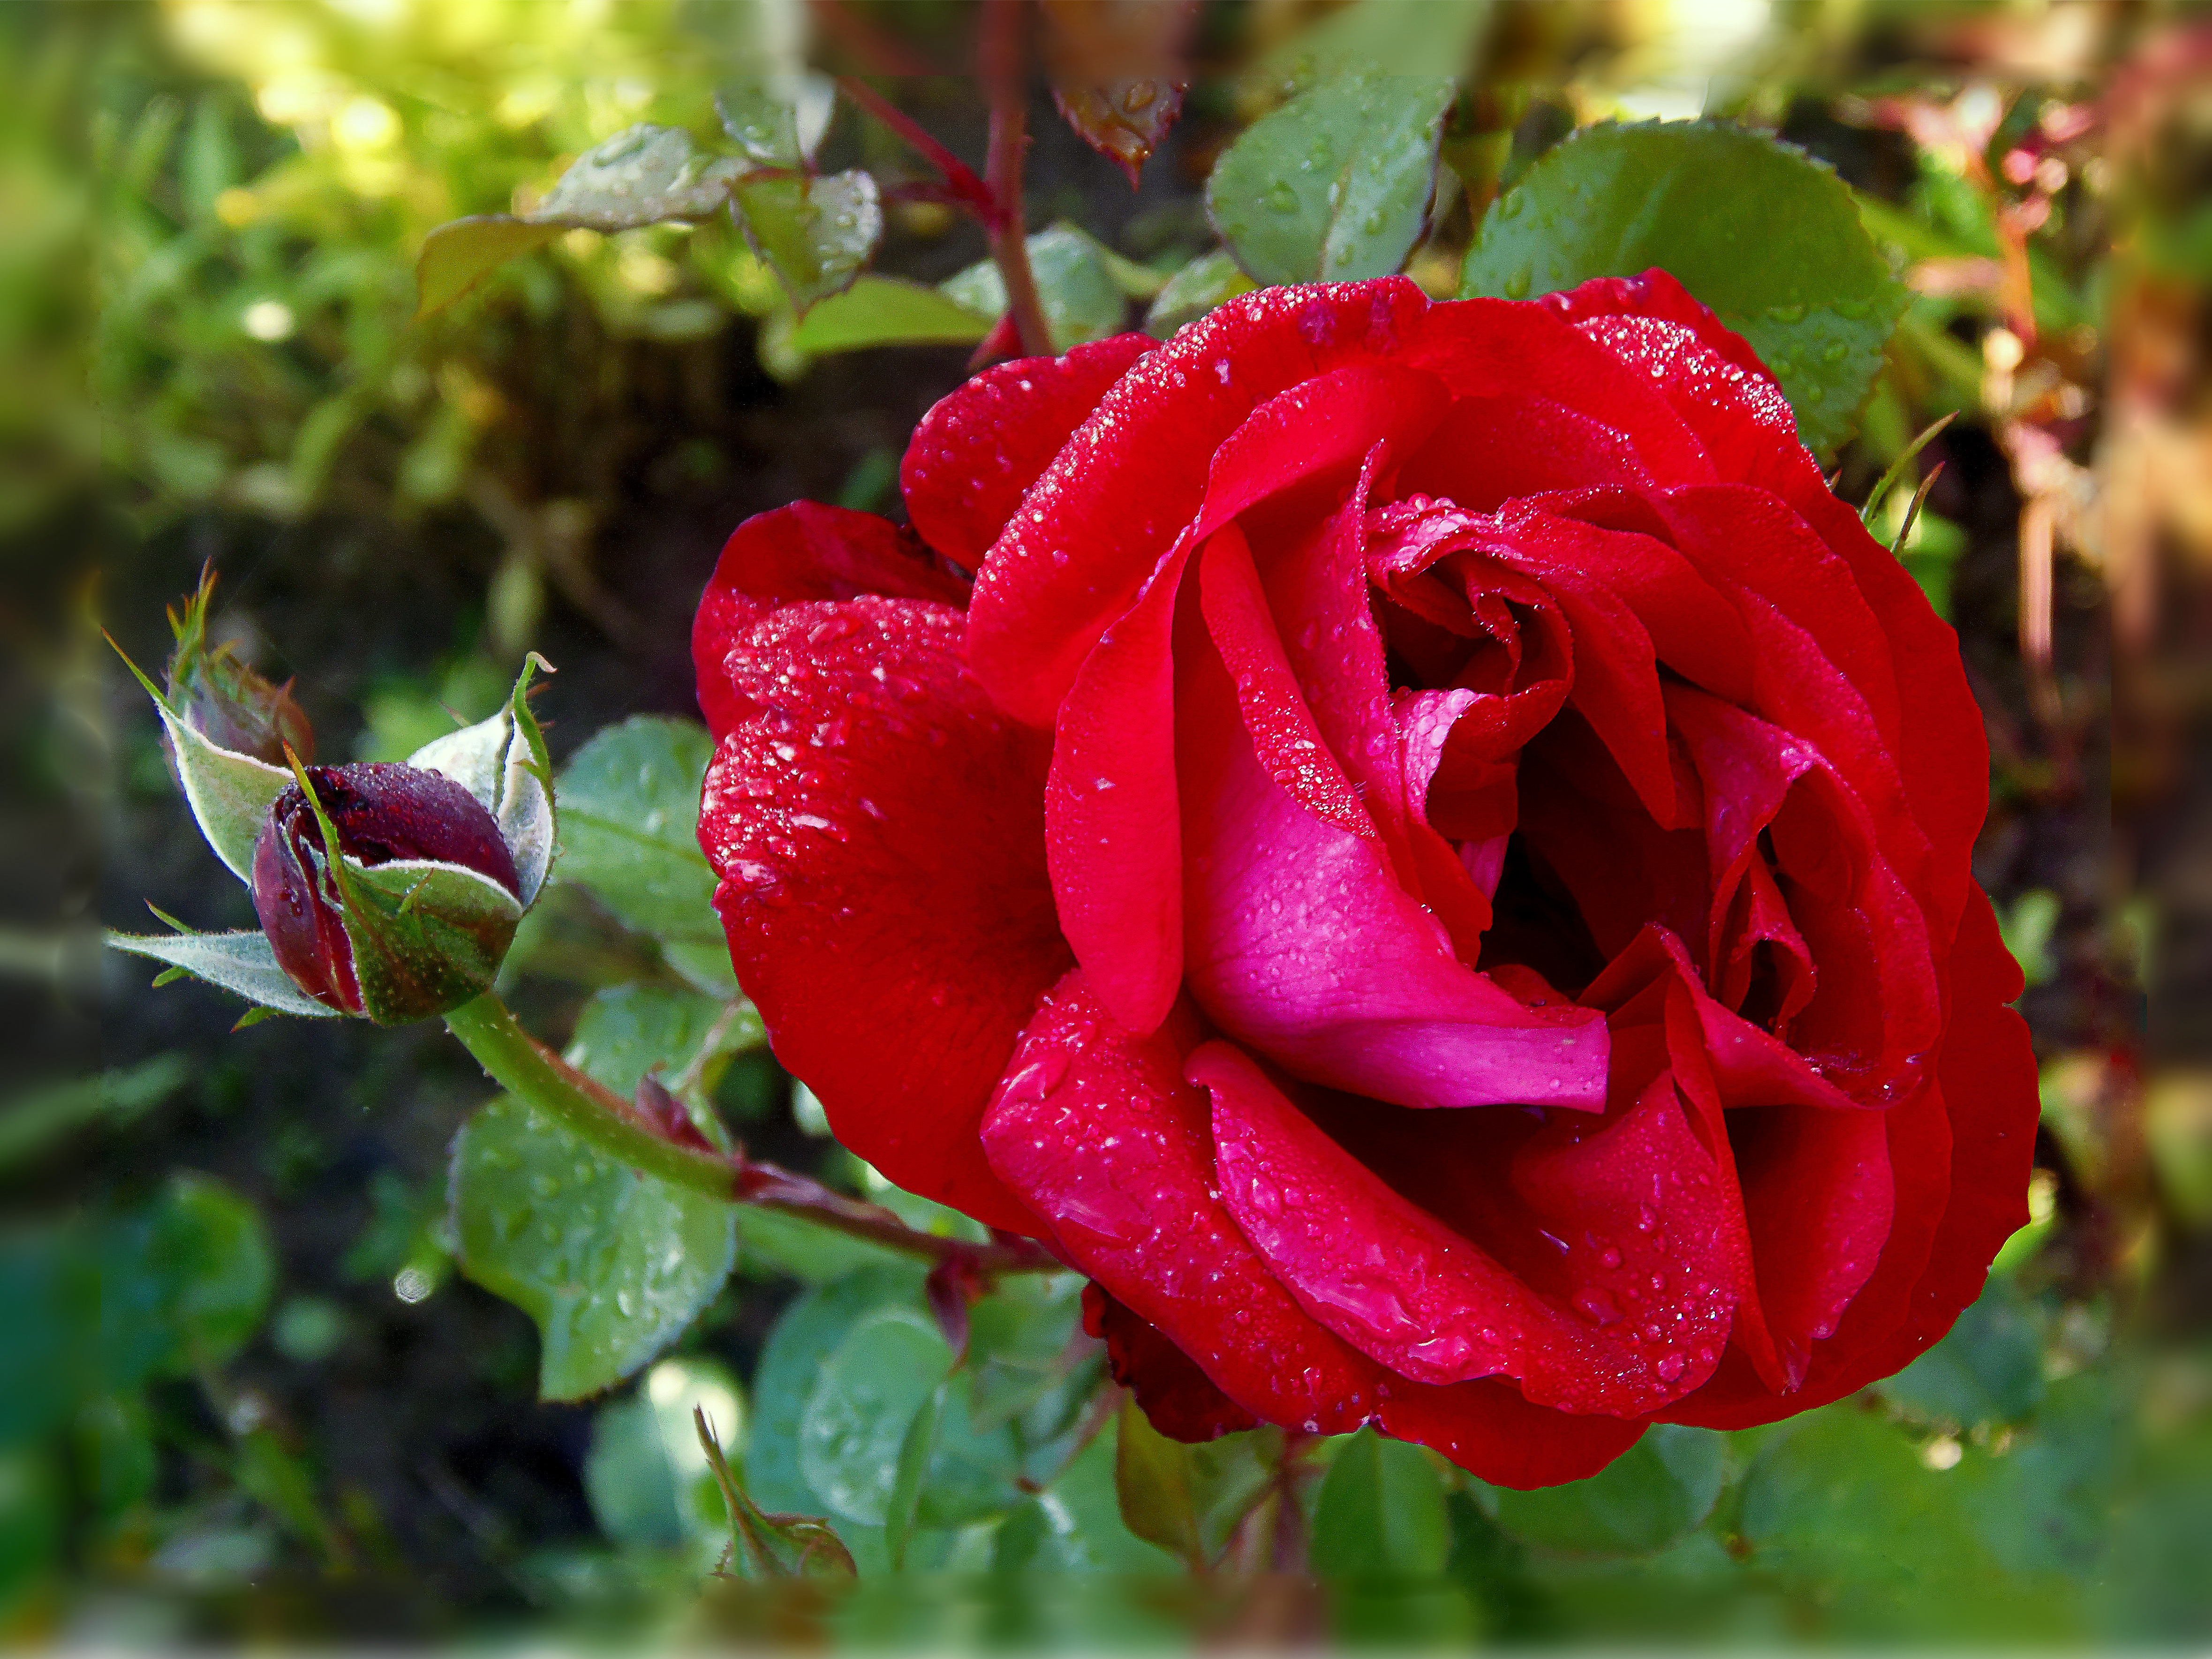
1115, 74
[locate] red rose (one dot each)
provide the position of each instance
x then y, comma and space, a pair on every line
1432, 865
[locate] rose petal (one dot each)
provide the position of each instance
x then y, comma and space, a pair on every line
797, 553
875, 823
1430, 1304
980, 446
1489, 1430
1300, 943
1096, 525
1096, 1129
1179, 1399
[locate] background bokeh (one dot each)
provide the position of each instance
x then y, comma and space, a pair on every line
302, 1423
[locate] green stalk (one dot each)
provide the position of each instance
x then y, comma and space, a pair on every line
530, 1071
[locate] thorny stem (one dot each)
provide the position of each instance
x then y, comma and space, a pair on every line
1001, 64
960, 182
528, 1069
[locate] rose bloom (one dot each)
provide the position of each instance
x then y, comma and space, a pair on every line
1430, 862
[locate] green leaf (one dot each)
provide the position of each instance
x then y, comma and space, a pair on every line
610, 1263
1199, 286
243, 963
640, 176
777, 120
1768, 237
879, 311
1334, 185
629, 827
1381, 1513
915, 1447
880, 1374
1988, 1370
182, 1284
775, 1242
1151, 1476
230, 795
643, 175
625, 1030
1660, 1488
1433, 37
1076, 286
114, 1436
460, 253
815, 234
647, 1474
503, 762
843, 1373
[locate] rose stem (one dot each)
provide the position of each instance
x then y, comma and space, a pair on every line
534, 1073
1002, 64
960, 182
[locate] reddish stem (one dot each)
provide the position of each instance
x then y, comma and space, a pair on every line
1002, 64
964, 187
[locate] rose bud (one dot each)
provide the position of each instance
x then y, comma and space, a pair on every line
224, 701
415, 918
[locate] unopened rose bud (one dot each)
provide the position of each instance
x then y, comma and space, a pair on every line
224, 701
413, 930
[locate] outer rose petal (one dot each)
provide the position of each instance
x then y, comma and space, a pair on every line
800, 552
1096, 1129
1098, 522
876, 824
1490, 1430
980, 448
1179, 1399
1961, 1153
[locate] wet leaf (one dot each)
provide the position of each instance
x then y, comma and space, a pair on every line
1768, 237
879, 311
1187, 295
630, 821
1115, 74
625, 1030
1075, 285
426, 937
1381, 1513
776, 120
642, 176
610, 1263
1334, 185
815, 234
1988, 1370
1660, 1488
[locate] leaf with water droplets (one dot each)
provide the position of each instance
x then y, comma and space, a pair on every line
643, 175
1334, 185
630, 821
610, 1263
815, 234
1207, 282
1115, 74
1660, 1488
880, 311
1076, 284
1768, 237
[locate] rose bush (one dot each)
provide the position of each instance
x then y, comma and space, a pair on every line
1432, 863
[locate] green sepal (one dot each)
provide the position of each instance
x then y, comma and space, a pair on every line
230, 795
502, 762
244, 963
